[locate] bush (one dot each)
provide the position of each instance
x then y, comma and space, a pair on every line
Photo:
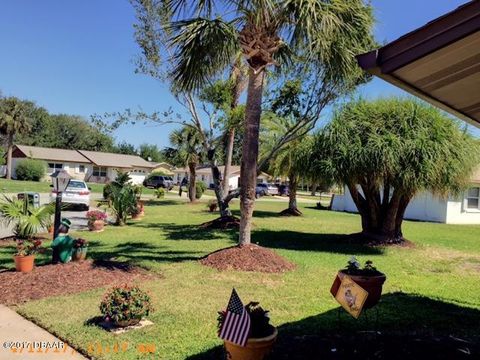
125, 303
108, 190
200, 188
30, 169
160, 193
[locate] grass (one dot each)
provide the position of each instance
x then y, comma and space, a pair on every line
432, 287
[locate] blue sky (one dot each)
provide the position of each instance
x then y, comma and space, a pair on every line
77, 57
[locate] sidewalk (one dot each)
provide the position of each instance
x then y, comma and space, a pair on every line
16, 329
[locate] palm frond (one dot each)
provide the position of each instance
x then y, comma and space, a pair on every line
203, 47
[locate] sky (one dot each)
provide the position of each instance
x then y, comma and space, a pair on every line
77, 57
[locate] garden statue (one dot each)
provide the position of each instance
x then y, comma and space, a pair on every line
63, 243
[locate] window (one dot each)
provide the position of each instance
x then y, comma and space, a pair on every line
473, 197
99, 171
81, 169
52, 167
74, 184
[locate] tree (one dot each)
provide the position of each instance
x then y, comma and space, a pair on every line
125, 148
150, 152
188, 151
386, 151
14, 119
266, 32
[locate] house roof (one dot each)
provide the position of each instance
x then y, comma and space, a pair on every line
42, 153
438, 62
115, 160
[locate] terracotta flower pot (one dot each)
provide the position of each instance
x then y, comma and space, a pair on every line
372, 284
255, 349
24, 263
125, 323
96, 225
79, 254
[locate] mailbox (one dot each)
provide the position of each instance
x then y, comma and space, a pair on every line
33, 198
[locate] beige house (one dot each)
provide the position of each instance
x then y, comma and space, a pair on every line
90, 166
204, 174
163, 168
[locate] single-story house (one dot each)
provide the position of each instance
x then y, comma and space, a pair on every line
91, 166
163, 168
426, 206
204, 173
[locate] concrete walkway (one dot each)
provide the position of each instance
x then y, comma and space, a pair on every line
29, 340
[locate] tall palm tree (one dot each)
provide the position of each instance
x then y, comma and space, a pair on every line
267, 32
187, 151
14, 119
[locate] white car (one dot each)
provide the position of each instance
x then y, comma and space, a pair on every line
76, 193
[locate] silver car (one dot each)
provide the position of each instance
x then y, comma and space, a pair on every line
76, 193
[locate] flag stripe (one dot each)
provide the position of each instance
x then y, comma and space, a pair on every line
236, 324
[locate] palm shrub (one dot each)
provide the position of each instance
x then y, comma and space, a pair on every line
123, 203
160, 193
200, 188
27, 221
31, 170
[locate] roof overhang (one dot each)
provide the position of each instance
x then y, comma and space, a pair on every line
439, 62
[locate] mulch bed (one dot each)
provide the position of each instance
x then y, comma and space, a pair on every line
247, 258
290, 212
60, 279
222, 223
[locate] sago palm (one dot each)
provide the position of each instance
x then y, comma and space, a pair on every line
267, 32
27, 221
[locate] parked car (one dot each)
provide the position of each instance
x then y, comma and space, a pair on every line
268, 189
283, 190
76, 193
158, 181
259, 192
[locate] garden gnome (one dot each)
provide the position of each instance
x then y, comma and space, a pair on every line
63, 243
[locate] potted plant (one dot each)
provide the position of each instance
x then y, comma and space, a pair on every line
261, 337
80, 247
25, 255
96, 220
136, 213
368, 277
141, 207
125, 305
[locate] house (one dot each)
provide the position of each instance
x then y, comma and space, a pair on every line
428, 207
204, 174
163, 168
91, 166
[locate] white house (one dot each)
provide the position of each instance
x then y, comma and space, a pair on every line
204, 174
91, 166
428, 207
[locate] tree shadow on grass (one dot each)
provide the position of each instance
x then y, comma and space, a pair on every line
259, 213
136, 252
188, 232
293, 240
162, 202
408, 327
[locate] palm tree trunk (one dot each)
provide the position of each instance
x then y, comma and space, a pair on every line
192, 182
9, 156
292, 195
248, 169
228, 162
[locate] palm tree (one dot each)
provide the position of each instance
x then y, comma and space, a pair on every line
187, 151
14, 119
267, 32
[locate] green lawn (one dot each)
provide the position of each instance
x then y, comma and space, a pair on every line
433, 287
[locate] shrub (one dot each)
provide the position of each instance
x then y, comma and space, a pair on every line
212, 205
200, 188
125, 303
160, 193
30, 169
107, 190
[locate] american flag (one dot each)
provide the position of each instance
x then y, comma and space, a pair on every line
236, 324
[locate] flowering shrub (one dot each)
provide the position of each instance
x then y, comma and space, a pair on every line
95, 215
28, 247
123, 303
80, 243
